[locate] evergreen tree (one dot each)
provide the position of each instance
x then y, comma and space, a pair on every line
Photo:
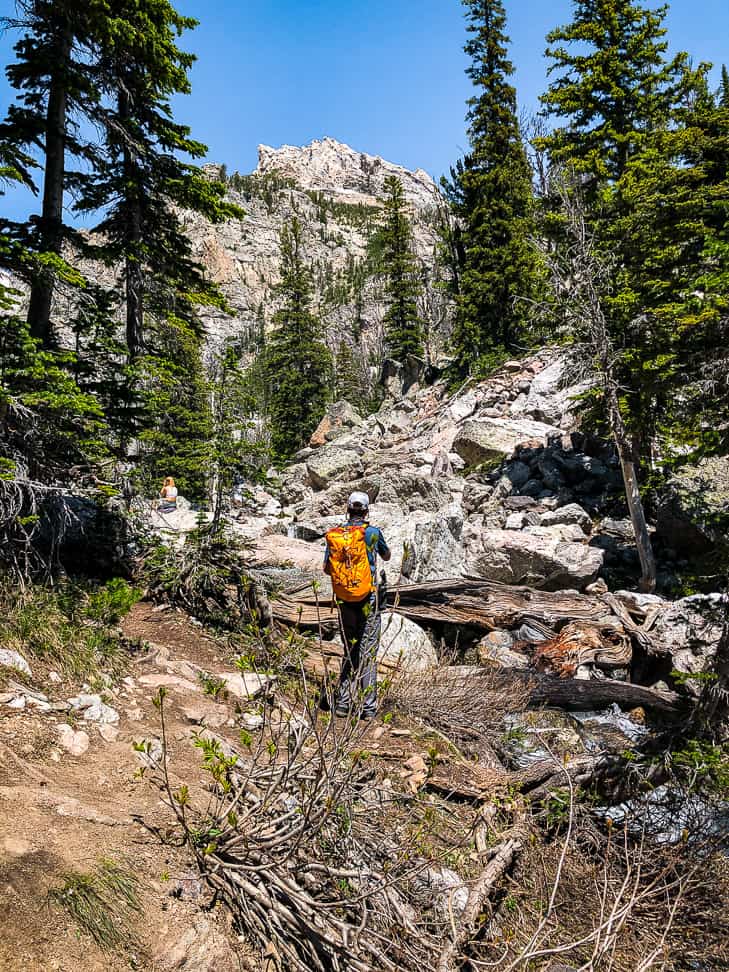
612, 83
177, 423
298, 366
492, 194
349, 375
638, 138
56, 92
403, 327
141, 178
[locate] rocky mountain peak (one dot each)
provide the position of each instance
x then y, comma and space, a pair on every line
329, 166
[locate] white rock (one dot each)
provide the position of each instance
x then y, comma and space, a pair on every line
405, 645
94, 709
17, 703
108, 733
514, 521
13, 659
572, 514
245, 685
74, 742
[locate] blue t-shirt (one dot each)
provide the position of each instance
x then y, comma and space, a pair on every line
375, 543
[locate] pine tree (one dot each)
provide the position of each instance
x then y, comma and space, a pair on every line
644, 137
298, 366
612, 83
142, 179
56, 92
403, 327
177, 423
492, 193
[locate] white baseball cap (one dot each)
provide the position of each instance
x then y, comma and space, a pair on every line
361, 500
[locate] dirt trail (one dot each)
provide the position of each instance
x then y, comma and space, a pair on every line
60, 813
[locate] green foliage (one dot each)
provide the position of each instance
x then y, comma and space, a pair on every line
205, 577
110, 603
403, 326
177, 423
104, 903
647, 141
297, 365
703, 766
491, 193
70, 627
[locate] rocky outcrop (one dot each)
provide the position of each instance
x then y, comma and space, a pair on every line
487, 439
539, 558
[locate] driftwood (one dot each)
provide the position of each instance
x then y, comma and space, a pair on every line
605, 645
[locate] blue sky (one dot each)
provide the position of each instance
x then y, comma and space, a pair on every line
385, 76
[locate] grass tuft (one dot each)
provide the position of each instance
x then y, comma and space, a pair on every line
103, 903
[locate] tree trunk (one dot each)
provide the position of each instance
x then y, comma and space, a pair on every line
51, 221
133, 275
632, 492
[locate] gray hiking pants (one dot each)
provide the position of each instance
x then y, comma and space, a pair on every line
360, 623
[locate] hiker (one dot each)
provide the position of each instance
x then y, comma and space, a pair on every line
168, 496
351, 562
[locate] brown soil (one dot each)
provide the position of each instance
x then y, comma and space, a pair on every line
60, 813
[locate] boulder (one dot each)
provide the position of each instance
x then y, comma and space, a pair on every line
572, 514
495, 651
405, 645
331, 464
549, 399
245, 685
690, 630
538, 558
435, 549
340, 415
276, 550
492, 439
693, 513
13, 659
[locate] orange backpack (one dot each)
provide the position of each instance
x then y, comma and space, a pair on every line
349, 565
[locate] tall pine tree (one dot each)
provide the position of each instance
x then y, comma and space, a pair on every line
298, 366
637, 137
56, 93
403, 327
142, 178
492, 193
611, 83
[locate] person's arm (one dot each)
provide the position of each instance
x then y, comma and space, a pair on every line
327, 568
382, 549
163, 492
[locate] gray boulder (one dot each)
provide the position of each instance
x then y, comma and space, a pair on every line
405, 645
690, 630
492, 439
435, 549
333, 463
693, 515
572, 514
537, 557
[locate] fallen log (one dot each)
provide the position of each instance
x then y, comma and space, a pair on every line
485, 688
